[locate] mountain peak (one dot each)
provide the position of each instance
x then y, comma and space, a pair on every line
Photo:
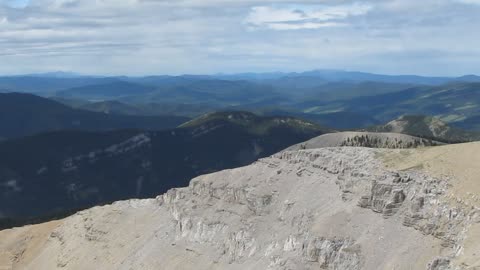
469, 78
254, 123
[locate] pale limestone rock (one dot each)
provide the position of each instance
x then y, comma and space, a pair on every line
331, 208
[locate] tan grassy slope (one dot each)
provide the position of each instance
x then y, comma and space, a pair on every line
332, 208
461, 164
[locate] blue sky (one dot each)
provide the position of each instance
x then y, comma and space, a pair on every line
139, 37
17, 3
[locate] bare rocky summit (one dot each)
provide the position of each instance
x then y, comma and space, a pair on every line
365, 139
329, 208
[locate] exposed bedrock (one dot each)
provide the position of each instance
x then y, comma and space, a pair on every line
332, 208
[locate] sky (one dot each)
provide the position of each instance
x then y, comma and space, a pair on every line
146, 37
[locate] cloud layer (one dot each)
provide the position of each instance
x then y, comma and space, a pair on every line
207, 36
303, 17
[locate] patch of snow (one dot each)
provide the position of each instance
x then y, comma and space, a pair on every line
135, 142
42, 170
13, 185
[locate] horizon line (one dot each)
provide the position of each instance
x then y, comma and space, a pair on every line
72, 74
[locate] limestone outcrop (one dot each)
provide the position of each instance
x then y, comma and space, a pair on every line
330, 208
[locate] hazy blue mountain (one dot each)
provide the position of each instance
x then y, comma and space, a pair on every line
112, 107
60, 74
468, 78
71, 102
344, 90
106, 91
56, 81
325, 96
351, 76
336, 120
164, 81
39, 84
145, 109
206, 91
452, 103
26, 114
181, 109
173, 90
255, 124
342, 105
149, 109
55, 173
339, 75
251, 76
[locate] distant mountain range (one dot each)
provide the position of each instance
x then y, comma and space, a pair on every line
341, 105
454, 103
341, 99
55, 81
337, 120
147, 109
111, 90
26, 114
353, 76
47, 85
54, 173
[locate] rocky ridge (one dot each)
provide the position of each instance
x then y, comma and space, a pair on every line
330, 208
365, 139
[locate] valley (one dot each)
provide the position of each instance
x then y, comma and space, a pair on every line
338, 99
190, 172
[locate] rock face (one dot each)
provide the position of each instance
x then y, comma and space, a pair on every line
330, 208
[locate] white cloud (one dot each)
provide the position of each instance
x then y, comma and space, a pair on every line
299, 26
295, 17
207, 36
474, 2
262, 15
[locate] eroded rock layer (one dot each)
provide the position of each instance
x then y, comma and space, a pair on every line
330, 208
